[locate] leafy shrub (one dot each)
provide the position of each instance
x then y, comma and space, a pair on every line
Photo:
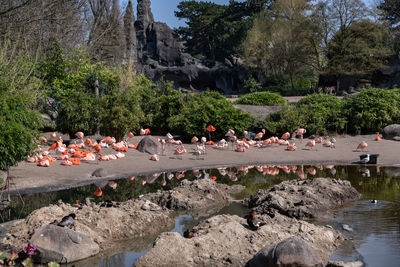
18, 120
78, 112
18, 127
261, 99
323, 112
371, 110
317, 113
286, 120
251, 85
200, 110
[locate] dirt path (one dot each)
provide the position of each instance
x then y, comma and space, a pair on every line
28, 177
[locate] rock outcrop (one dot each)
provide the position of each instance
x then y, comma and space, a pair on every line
392, 132
105, 226
197, 194
62, 245
224, 240
293, 251
160, 54
149, 145
305, 198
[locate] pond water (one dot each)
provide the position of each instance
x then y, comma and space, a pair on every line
375, 238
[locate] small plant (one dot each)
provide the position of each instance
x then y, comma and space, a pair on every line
262, 99
22, 258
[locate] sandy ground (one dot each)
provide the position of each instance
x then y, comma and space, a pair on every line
27, 177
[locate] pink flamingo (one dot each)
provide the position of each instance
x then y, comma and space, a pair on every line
80, 135
291, 147
301, 132
362, 146
285, 136
311, 144
260, 135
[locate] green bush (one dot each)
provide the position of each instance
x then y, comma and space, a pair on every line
18, 119
317, 113
261, 99
117, 115
78, 112
251, 85
18, 127
323, 112
201, 110
371, 110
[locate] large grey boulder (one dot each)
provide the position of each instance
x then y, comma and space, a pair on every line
291, 252
224, 240
305, 198
345, 264
392, 132
63, 245
149, 145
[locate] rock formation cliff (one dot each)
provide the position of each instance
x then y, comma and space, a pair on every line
157, 52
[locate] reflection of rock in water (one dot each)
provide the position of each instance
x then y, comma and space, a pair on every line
392, 171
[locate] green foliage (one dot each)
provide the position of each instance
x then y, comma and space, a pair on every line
53, 264
371, 110
251, 85
120, 113
18, 120
358, 49
281, 41
324, 113
216, 31
62, 76
261, 99
207, 108
78, 112
317, 113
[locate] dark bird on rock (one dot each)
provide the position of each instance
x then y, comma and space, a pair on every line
190, 233
270, 212
67, 220
253, 222
108, 203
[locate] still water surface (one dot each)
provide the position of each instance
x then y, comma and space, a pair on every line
375, 238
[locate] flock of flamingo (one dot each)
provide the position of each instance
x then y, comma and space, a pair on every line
89, 150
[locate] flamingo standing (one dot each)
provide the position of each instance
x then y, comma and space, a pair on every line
142, 132
362, 146
301, 132
80, 135
260, 135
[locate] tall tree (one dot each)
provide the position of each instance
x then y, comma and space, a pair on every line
216, 31
106, 40
360, 49
279, 42
40, 23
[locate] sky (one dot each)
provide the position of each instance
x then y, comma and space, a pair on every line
163, 10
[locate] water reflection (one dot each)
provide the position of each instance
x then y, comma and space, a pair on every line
376, 226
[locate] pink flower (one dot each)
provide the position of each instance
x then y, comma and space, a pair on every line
29, 249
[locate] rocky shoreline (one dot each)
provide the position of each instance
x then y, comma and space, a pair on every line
219, 241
